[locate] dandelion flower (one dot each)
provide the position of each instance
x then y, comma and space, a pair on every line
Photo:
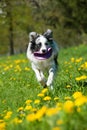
72, 59
68, 106
27, 69
47, 98
68, 86
78, 60
17, 120
20, 109
67, 98
80, 101
28, 102
56, 128
77, 95
83, 77
8, 115
52, 111
59, 122
41, 112
2, 125
37, 101
44, 90
40, 95
56, 98
28, 108
84, 66
31, 117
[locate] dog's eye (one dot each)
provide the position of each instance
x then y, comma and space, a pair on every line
39, 44
46, 43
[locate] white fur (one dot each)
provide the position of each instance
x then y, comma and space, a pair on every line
40, 66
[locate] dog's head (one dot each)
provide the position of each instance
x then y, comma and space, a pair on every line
41, 43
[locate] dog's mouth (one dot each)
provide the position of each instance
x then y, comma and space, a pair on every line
43, 56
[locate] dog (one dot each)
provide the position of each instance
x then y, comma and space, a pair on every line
42, 52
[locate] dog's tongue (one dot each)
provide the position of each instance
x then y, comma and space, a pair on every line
43, 56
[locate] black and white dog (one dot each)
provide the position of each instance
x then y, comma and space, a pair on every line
43, 52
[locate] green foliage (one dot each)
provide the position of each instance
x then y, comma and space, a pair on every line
26, 105
66, 18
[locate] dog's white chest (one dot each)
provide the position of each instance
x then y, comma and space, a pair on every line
43, 64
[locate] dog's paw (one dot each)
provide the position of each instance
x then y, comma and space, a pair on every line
43, 83
51, 87
49, 84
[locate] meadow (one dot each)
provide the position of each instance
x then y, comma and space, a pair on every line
25, 105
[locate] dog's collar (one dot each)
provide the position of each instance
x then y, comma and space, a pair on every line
43, 56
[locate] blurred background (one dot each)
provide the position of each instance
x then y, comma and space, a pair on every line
67, 19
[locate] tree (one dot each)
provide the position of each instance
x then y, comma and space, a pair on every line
18, 21
10, 25
66, 17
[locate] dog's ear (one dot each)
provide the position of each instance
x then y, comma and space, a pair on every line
33, 36
48, 34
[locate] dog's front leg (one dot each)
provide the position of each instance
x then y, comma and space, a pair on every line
40, 77
50, 77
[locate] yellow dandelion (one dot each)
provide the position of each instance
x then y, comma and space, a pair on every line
59, 122
4, 101
37, 101
80, 101
6, 68
84, 66
72, 59
41, 112
28, 102
44, 90
31, 117
83, 77
34, 110
1, 121
17, 61
56, 98
27, 69
47, 98
68, 106
8, 115
40, 95
56, 128
52, 111
27, 108
59, 104
17, 68
77, 95
78, 60
67, 98
2, 125
68, 86
67, 71
17, 120
10, 65
65, 62
20, 109
38, 115
78, 109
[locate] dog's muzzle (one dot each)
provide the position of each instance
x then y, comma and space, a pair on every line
43, 56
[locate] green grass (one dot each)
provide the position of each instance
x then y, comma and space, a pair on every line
65, 108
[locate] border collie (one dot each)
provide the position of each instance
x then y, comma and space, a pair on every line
43, 53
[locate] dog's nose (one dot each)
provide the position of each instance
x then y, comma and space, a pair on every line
43, 50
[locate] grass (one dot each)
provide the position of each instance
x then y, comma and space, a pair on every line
25, 105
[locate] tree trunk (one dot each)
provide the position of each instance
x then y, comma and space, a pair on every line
11, 41
10, 28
